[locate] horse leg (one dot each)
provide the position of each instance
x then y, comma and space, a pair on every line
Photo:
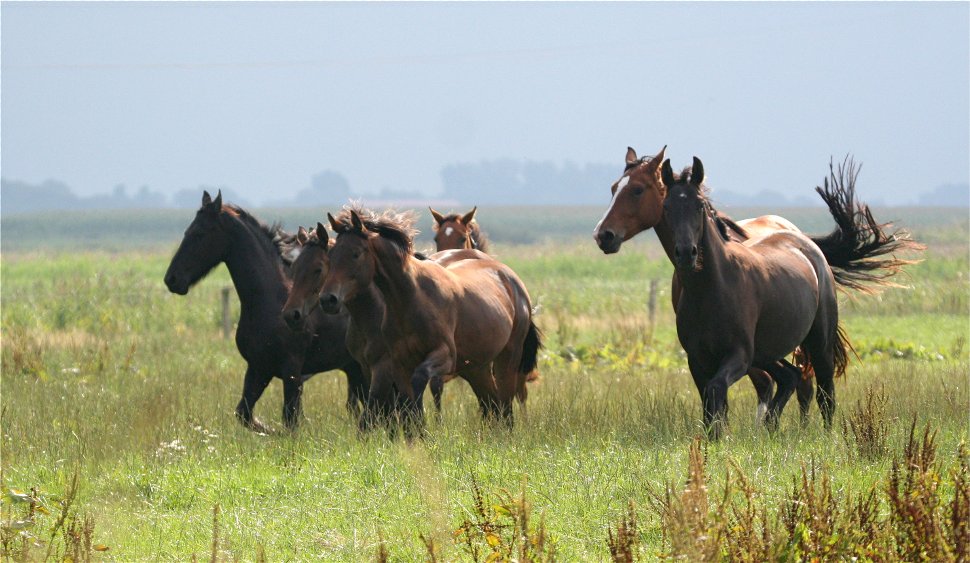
805, 391
357, 384
380, 402
437, 385
436, 366
786, 376
764, 386
253, 386
292, 401
715, 395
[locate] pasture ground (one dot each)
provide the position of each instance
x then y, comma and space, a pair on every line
109, 378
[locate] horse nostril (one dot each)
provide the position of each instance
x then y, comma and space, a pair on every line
607, 236
295, 314
693, 252
329, 301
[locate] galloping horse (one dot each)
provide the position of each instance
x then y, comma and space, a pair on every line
750, 304
454, 231
852, 250
459, 312
637, 206
252, 253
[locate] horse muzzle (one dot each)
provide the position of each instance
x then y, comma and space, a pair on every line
175, 285
294, 318
685, 258
330, 303
608, 241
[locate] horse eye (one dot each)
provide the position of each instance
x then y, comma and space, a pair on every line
638, 191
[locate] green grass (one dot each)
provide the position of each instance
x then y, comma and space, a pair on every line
108, 375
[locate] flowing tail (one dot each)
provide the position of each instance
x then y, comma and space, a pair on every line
858, 247
842, 348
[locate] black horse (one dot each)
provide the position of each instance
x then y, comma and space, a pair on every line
253, 252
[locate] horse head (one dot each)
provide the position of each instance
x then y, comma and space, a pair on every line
686, 209
204, 246
637, 203
309, 270
352, 262
454, 231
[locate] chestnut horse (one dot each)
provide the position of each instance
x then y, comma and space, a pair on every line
252, 253
454, 231
459, 312
750, 304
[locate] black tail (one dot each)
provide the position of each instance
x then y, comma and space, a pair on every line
856, 250
530, 350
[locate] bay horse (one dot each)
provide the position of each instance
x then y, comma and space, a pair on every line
459, 312
637, 206
252, 252
855, 249
454, 231
749, 304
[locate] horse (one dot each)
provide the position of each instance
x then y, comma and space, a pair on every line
454, 231
854, 250
459, 312
749, 304
253, 253
637, 205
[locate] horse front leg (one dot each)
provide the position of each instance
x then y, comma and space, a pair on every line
787, 376
435, 367
292, 401
253, 386
715, 395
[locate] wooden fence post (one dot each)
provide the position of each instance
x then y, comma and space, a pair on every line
652, 304
226, 324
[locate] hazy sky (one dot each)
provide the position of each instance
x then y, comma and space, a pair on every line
260, 96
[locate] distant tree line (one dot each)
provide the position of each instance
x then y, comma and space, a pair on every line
488, 182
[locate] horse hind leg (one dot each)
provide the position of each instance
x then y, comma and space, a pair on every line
437, 385
764, 387
786, 376
821, 351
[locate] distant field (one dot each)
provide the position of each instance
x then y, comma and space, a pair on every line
120, 230
107, 376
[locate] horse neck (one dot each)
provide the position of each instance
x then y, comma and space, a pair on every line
394, 278
256, 271
713, 250
666, 237
367, 310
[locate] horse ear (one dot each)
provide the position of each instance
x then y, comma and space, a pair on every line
322, 235
656, 160
469, 217
631, 156
206, 198
301, 235
697, 172
337, 227
356, 223
667, 173
218, 201
438, 217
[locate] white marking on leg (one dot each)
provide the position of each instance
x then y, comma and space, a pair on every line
762, 412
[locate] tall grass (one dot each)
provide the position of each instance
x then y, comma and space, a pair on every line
108, 376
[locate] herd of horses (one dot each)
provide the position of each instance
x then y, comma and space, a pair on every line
755, 297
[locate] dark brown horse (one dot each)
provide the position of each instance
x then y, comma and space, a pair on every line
855, 249
459, 312
454, 231
638, 206
750, 304
252, 253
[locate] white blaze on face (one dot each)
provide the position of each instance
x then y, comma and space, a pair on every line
448, 231
620, 184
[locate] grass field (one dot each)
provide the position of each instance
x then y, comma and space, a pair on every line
110, 379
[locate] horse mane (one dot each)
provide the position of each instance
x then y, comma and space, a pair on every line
272, 236
396, 227
637, 162
478, 236
723, 222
